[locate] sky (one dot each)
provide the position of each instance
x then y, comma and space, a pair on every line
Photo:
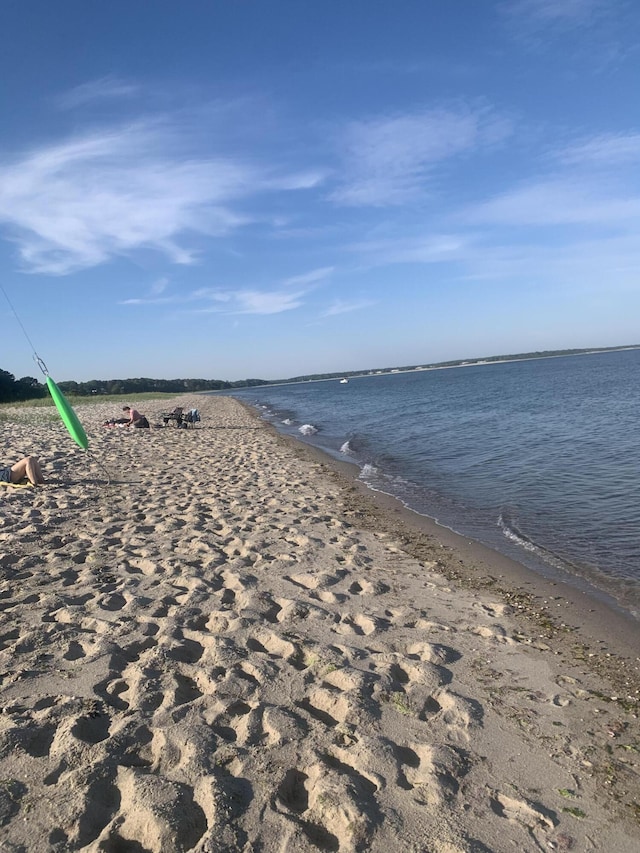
230, 189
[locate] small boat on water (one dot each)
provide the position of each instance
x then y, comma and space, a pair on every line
343, 381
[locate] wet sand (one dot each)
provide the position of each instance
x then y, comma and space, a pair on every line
558, 607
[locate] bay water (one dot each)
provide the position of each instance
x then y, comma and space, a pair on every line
538, 458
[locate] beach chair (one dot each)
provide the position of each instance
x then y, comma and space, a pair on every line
175, 416
191, 418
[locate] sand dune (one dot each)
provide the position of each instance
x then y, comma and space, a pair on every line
219, 650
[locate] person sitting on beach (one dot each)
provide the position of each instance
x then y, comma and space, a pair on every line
135, 418
28, 467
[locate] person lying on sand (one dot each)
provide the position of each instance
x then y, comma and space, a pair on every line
135, 418
28, 467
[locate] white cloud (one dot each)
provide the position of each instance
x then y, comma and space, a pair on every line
506, 241
80, 203
107, 87
598, 262
301, 181
146, 301
420, 249
607, 150
535, 17
557, 201
342, 307
211, 300
388, 160
265, 302
155, 295
604, 264
309, 278
592, 30
555, 11
159, 286
249, 301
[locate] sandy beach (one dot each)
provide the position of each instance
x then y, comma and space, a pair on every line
227, 644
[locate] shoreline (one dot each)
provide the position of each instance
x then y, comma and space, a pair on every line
232, 644
599, 590
607, 575
587, 618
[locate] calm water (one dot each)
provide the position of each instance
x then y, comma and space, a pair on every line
538, 459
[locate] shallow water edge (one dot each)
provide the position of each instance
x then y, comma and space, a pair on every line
580, 622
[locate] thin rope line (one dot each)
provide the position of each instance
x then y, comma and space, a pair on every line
15, 314
39, 361
101, 465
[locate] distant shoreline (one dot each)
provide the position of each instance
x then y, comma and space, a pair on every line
423, 369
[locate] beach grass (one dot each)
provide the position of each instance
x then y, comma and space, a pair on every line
27, 416
42, 410
75, 400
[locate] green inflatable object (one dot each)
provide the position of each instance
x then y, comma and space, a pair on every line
69, 417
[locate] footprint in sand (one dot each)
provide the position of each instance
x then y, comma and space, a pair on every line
329, 706
367, 588
432, 772
316, 580
330, 803
360, 624
520, 811
154, 814
282, 725
494, 632
239, 722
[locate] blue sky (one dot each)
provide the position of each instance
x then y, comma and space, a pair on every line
265, 189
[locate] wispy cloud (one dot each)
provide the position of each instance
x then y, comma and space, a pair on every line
265, 302
577, 265
388, 160
533, 15
592, 181
104, 88
159, 286
154, 297
243, 300
309, 278
344, 307
414, 249
81, 202
593, 30
491, 256
606, 150
557, 201
148, 300
572, 228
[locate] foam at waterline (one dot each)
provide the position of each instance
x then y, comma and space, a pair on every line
511, 532
368, 470
509, 529
307, 429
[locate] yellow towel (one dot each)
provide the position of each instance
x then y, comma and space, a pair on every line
23, 484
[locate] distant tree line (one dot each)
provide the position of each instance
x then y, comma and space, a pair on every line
12, 389
144, 385
28, 388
